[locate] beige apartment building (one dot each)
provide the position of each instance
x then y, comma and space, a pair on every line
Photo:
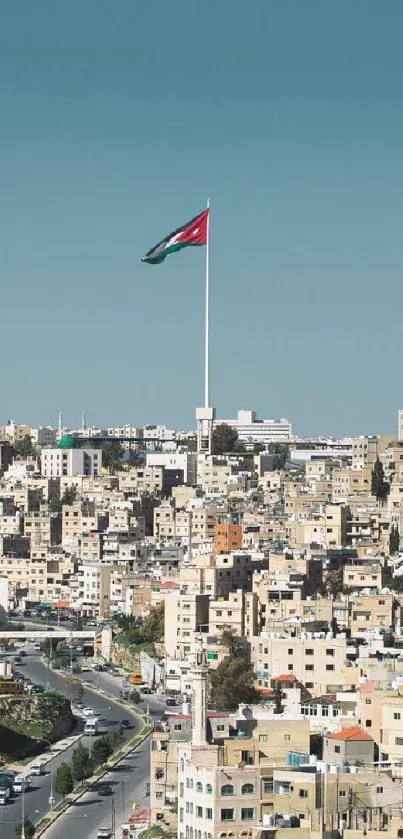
327, 527
237, 614
186, 616
142, 479
350, 481
43, 528
364, 573
164, 522
45, 576
381, 716
371, 611
321, 664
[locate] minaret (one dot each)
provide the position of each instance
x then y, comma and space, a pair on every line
84, 422
199, 700
60, 426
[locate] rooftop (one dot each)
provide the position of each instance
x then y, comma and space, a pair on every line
353, 733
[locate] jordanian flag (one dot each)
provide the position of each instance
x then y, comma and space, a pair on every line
194, 232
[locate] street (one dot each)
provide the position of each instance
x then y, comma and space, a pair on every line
36, 799
129, 783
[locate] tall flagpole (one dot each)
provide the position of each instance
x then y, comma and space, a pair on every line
207, 333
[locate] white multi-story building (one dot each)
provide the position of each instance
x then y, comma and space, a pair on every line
253, 430
184, 461
57, 463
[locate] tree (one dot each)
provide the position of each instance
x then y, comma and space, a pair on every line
281, 454
24, 448
70, 495
153, 628
334, 581
101, 750
278, 697
394, 539
29, 829
224, 438
135, 697
81, 764
64, 783
74, 688
379, 487
233, 680
112, 453
47, 647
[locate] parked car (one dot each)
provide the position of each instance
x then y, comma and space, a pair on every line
88, 712
104, 833
125, 724
145, 689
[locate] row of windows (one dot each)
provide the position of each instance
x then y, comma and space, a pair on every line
227, 814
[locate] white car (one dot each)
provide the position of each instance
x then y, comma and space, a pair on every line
88, 712
104, 833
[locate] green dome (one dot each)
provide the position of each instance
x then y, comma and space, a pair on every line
67, 442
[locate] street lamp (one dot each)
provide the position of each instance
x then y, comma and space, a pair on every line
51, 798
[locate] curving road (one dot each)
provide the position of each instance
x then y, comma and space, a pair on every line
111, 713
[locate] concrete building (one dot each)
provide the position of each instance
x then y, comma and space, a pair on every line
186, 616
250, 429
56, 463
350, 746
228, 537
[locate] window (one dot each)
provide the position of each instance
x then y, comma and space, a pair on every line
227, 815
309, 652
342, 793
220, 727
199, 787
398, 741
290, 667
379, 790
303, 793
337, 749
330, 667
309, 667
262, 738
330, 652
181, 789
287, 737
158, 794
368, 723
209, 813
247, 789
199, 812
368, 702
290, 652
227, 789
247, 814
396, 716
268, 787
177, 726
209, 788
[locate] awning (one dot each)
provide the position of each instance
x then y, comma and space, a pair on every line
62, 604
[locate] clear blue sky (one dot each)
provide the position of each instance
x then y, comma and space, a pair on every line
117, 120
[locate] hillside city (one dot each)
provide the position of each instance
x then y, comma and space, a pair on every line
201, 633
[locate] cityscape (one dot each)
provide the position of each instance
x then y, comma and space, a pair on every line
201, 632
201, 445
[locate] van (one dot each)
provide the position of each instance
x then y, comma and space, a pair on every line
36, 768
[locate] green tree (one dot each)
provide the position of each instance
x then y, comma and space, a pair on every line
397, 584
233, 680
81, 764
126, 621
25, 448
278, 698
64, 783
70, 495
29, 829
379, 487
112, 453
101, 750
281, 454
394, 539
334, 581
224, 438
154, 832
47, 647
135, 697
74, 688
